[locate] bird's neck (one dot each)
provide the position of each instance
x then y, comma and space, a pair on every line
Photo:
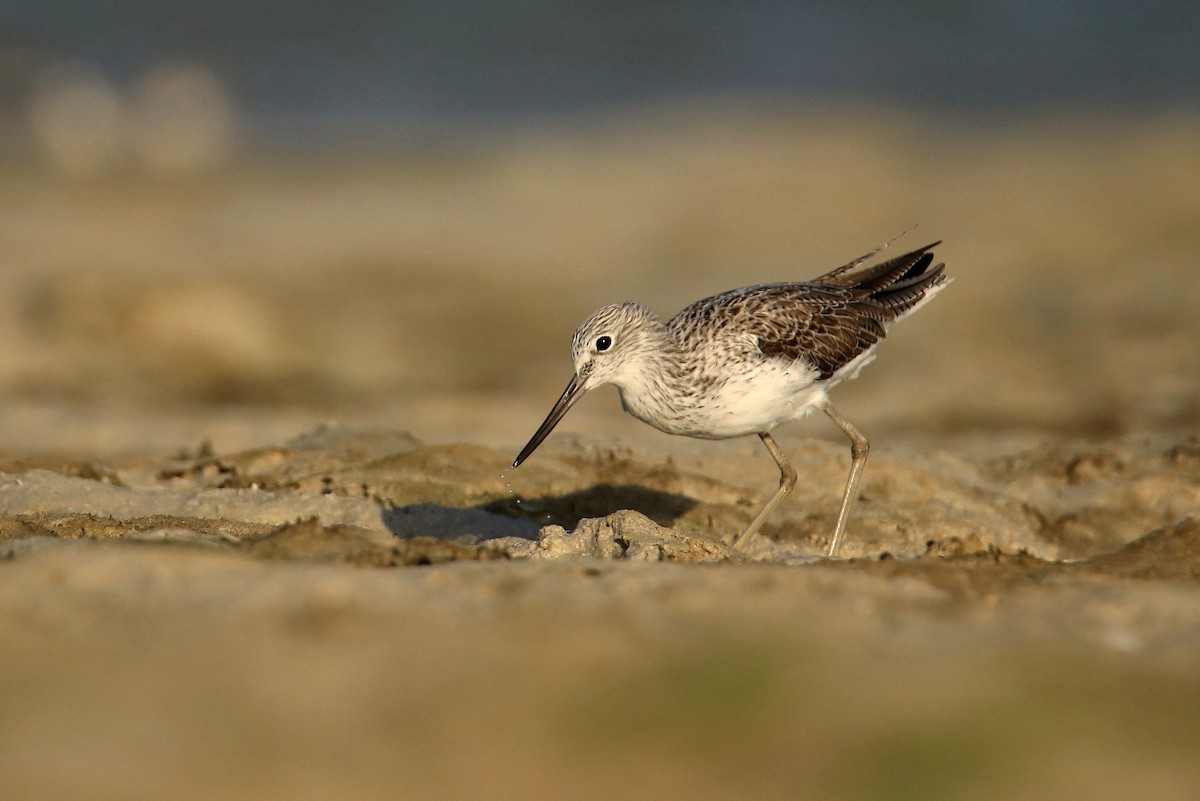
652, 378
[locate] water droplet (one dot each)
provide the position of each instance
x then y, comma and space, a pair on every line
504, 475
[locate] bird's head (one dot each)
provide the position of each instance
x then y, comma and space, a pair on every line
609, 347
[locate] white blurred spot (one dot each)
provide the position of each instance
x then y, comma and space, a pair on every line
182, 120
76, 118
177, 119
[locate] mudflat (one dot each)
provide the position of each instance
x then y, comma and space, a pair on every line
258, 539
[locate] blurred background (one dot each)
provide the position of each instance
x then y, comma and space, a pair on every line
223, 223
226, 222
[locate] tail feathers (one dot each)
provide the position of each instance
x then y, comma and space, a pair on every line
891, 288
881, 276
903, 296
829, 278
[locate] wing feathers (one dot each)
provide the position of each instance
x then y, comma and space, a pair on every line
830, 329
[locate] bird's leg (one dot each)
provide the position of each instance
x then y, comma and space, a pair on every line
787, 480
859, 447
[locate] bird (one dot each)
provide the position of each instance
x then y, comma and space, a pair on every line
745, 361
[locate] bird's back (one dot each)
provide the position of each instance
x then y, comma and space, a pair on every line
828, 322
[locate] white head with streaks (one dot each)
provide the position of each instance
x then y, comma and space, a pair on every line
609, 346
612, 346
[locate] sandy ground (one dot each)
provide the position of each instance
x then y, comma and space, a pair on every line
257, 539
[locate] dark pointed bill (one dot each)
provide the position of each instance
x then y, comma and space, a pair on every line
572, 393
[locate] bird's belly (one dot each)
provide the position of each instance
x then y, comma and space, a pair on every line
746, 404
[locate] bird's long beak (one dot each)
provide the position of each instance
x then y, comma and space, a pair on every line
572, 393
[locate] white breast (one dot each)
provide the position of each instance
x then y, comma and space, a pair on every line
748, 401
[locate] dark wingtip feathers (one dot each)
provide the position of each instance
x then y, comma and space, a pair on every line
896, 285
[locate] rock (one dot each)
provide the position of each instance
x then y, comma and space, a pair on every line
628, 535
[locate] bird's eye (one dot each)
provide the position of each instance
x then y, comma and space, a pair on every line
603, 343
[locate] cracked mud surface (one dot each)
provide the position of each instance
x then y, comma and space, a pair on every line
353, 599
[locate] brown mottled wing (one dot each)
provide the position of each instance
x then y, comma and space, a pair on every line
827, 322
824, 330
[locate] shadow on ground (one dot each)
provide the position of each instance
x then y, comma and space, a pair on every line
599, 500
